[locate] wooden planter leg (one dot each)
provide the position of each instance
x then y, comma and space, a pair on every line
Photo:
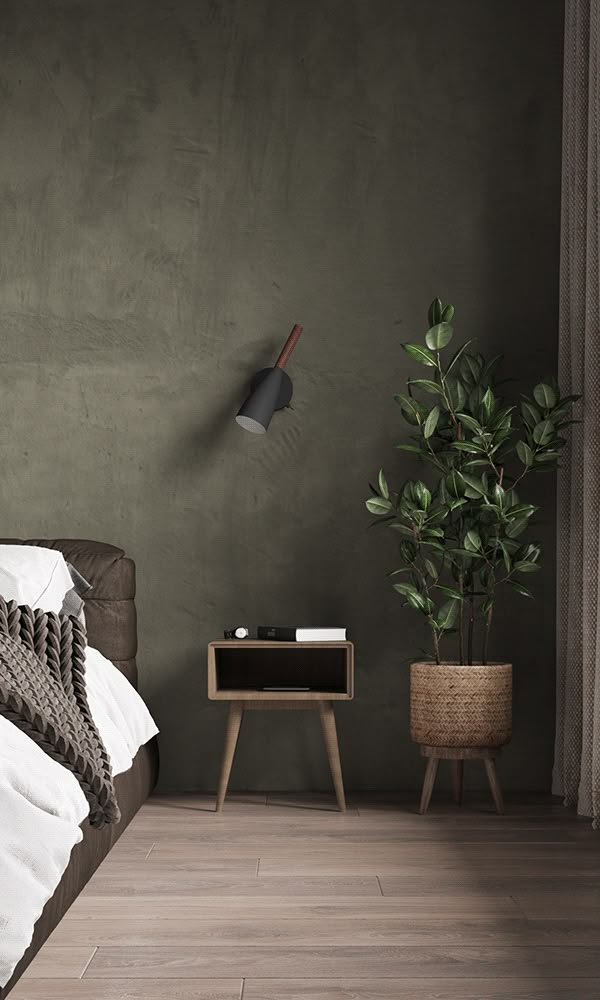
490, 767
234, 721
428, 783
457, 780
333, 751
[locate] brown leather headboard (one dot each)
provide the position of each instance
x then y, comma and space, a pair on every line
110, 608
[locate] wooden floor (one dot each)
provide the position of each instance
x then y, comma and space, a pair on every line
282, 898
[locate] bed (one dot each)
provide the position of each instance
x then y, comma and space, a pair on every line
111, 626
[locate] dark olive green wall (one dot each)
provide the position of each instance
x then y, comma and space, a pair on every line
179, 183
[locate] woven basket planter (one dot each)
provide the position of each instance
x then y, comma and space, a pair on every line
461, 706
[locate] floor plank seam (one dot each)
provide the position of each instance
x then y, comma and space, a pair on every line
520, 908
88, 963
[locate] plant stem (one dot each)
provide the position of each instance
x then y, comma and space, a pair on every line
470, 632
486, 635
461, 622
436, 645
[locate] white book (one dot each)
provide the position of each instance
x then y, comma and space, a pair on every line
320, 634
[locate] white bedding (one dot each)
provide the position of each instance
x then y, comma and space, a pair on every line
42, 805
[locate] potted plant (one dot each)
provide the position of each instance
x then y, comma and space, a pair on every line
463, 530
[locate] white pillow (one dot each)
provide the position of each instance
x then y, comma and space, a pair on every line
34, 576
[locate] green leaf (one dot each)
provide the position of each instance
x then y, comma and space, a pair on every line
457, 503
454, 594
521, 510
383, 486
489, 367
543, 432
422, 494
547, 456
471, 368
420, 354
428, 385
472, 541
487, 605
545, 396
488, 404
525, 453
403, 569
530, 415
520, 589
405, 531
458, 356
412, 409
447, 314
475, 485
464, 553
431, 568
410, 447
470, 446
378, 505
470, 422
524, 566
516, 527
446, 616
431, 422
406, 589
434, 313
438, 336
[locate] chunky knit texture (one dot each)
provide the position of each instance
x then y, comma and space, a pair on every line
42, 691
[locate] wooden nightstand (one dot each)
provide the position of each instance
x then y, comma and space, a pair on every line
254, 674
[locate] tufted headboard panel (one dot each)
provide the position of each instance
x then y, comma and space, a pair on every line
110, 608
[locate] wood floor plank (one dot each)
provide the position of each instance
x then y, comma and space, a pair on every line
475, 882
442, 866
127, 989
408, 931
584, 904
384, 962
220, 865
60, 963
420, 989
317, 908
195, 883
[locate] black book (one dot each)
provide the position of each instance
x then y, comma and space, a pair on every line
303, 633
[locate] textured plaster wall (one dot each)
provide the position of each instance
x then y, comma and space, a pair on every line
179, 183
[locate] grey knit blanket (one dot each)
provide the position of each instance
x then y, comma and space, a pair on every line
42, 691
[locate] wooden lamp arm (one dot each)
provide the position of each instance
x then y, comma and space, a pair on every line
289, 346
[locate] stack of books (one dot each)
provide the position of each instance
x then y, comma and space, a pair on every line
300, 633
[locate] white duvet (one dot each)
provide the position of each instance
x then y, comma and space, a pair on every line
42, 805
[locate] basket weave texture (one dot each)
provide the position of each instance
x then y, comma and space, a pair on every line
461, 706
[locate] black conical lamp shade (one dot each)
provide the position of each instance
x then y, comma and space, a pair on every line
255, 415
271, 390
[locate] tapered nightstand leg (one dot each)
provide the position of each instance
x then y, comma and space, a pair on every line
234, 721
333, 751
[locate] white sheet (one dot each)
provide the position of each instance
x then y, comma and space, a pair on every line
42, 805
30, 574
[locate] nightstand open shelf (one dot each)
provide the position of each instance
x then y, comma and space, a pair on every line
255, 674
243, 669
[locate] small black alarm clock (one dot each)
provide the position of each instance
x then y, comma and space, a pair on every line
240, 632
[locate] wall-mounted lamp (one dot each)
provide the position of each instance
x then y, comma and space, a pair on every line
270, 390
